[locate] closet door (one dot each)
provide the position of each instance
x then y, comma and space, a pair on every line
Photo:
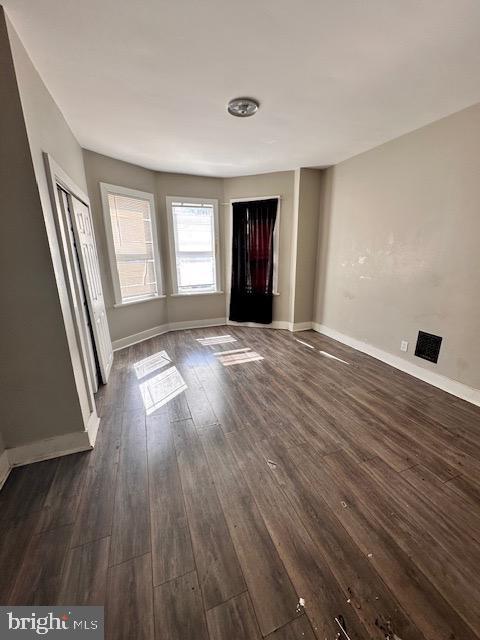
87, 254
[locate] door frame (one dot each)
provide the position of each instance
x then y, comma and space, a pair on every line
68, 284
228, 250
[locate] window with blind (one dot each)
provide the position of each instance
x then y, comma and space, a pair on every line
132, 243
194, 245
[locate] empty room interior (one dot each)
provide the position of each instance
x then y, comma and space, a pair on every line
240, 354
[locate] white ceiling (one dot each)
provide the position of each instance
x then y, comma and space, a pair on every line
147, 81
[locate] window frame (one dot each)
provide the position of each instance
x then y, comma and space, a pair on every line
112, 189
173, 245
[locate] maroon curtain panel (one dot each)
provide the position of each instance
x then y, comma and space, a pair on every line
251, 298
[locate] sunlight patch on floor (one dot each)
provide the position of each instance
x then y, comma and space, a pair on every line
332, 357
162, 388
322, 353
310, 346
148, 365
213, 340
225, 353
237, 356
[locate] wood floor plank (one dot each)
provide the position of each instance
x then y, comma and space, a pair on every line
445, 502
129, 604
447, 611
298, 629
311, 577
349, 484
62, 500
179, 613
446, 532
467, 490
233, 619
218, 569
172, 554
95, 511
368, 595
26, 489
15, 536
426, 607
131, 516
273, 596
84, 577
39, 575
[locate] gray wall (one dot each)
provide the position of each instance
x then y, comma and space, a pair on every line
131, 319
185, 308
399, 245
308, 196
127, 320
39, 397
280, 183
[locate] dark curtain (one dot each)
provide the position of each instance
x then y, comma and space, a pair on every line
252, 261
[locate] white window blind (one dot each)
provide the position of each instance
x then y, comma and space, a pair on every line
194, 243
134, 245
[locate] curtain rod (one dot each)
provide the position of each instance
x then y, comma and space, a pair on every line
227, 204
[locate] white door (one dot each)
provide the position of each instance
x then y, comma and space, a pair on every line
87, 253
79, 297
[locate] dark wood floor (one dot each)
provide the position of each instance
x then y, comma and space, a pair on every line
250, 483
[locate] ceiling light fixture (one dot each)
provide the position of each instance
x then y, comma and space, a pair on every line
243, 107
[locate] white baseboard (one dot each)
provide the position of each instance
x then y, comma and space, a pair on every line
276, 324
55, 447
135, 338
436, 379
196, 324
300, 326
128, 341
4, 468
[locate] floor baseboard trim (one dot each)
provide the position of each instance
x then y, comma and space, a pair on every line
55, 447
300, 326
196, 324
276, 324
5, 468
128, 341
454, 387
135, 338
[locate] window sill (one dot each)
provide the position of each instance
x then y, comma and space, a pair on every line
130, 302
200, 293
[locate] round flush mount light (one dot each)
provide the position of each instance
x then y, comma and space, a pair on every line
243, 107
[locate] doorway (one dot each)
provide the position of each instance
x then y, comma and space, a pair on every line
77, 272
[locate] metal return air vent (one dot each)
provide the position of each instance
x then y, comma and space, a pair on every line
428, 346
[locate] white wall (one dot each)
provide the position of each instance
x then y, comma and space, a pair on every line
399, 245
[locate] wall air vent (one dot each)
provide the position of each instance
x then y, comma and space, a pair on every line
428, 346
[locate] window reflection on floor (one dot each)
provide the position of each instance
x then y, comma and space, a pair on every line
226, 353
322, 353
160, 389
237, 356
310, 346
148, 365
330, 355
216, 340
